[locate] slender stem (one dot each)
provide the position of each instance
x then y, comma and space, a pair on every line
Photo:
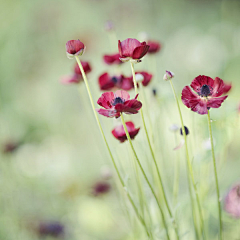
151, 149
190, 170
108, 148
145, 176
176, 175
216, 177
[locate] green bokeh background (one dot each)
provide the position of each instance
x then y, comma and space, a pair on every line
61, 155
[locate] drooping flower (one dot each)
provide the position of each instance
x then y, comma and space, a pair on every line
77, 76
112, 59
208, 94
232, 202
132, 49
101, 188
118, 103
154, 46
119, 132
74, 48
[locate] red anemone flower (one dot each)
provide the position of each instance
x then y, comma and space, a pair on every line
118, 103
119, 132
132, 49
77, 76
207, 94
107, 82
154, 46
74, 48
112, 59
232, 201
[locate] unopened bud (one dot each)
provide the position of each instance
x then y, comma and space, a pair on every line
139, 77
168, 75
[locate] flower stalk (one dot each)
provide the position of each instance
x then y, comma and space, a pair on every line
216, 177
108, 148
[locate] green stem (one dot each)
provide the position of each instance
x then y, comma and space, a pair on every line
108, 148
216, 177
145, 176
190, 170
152, 152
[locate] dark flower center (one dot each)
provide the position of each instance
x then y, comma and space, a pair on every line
117, 100
205, 91
114, 79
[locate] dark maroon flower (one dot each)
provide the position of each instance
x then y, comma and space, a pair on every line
132, 49
118, 103
101, 188
232, 202
107, 82
154, 46
207, 94
112, 59
53, 229
74, 48
119, 133
77, 76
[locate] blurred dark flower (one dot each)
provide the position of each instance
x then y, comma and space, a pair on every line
168, 75
74, 48
207, 94
119, 132
132, 49
77, 76
10, 147
118, 103
154, 46
112, 59
232, 202
101, 188
53, 229
154, 91
186, 131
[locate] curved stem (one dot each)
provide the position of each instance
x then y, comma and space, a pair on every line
108, 148
190, 170
216, 177
145, 176
153, 155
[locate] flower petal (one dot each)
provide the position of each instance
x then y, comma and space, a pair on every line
201, 80
105, 82
122, 94
215, 102
127, 47
108, 113
193, 101
218, 87
133, 103
106, 99
140, 51
76, 78
112, 59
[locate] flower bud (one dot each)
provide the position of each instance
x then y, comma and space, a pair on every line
139, 77
74, 48
168, 75
186, 131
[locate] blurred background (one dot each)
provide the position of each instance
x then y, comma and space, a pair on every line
56, 175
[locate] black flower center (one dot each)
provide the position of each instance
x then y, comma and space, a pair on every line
114, 79
117, 100
205, 91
